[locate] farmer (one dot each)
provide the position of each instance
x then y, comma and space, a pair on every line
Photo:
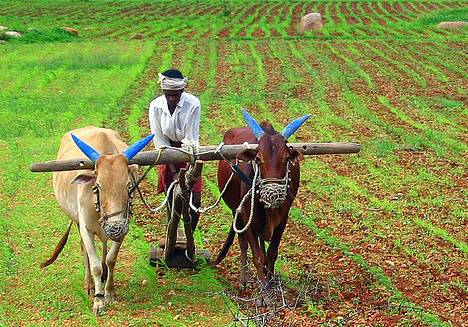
174, 119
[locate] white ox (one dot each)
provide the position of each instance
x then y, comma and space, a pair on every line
98, 201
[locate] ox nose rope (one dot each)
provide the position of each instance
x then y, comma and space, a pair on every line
252, 203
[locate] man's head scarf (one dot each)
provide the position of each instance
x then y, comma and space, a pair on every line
172, 83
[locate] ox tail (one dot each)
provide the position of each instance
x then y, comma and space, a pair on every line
58, 248
227, 244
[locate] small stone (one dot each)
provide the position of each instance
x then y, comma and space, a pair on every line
13, 34
138, 36
70, 30
3, 28
311, 21
452, 25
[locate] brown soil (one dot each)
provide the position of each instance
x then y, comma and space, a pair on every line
380, 12
358, 12
274, 32
258, 11
412, 8
350, 17
292, 30
321, 10
333, 13
275, 11
370, 12
391, 8
224, 71
224, 33
377, 255
258, 33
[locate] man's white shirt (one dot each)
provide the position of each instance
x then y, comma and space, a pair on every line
182, 126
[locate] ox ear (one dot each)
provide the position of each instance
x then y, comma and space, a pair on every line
294, 155
254, 126
83, 178
137, 147
247, 155
294, 126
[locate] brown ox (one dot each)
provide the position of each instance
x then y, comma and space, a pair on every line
276, 186
98, 201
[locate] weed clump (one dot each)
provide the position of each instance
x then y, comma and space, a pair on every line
445, 16
34, 35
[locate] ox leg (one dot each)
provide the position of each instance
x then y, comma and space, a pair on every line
262, 247
245, 274
88, 282
111, 259
96, 269
272, 253
257, 254
103, 262
259, 262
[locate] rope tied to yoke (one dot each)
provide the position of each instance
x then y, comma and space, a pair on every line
272, 191
208, 208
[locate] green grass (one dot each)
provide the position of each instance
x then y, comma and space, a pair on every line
59, 287
398, 89
36, 35
445, 16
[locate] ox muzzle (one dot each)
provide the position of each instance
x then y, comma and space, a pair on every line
273, 191
115, 229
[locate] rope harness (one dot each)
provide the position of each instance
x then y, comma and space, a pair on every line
272, 191
117, 229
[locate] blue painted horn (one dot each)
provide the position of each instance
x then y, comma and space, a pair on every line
294, 126
255, 127
137, 147
92, 154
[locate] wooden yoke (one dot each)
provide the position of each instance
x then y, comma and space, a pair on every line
205, 153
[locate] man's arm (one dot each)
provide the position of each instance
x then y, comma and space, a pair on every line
192, 127
159, 139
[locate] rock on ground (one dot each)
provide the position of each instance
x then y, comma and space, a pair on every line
311, 21
138, 36
452, 25
3, 28
13, 33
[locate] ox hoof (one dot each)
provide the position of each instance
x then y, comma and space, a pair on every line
99, 308
99, 311
244, 278
111, 297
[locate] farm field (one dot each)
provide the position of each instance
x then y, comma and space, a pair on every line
383, 234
